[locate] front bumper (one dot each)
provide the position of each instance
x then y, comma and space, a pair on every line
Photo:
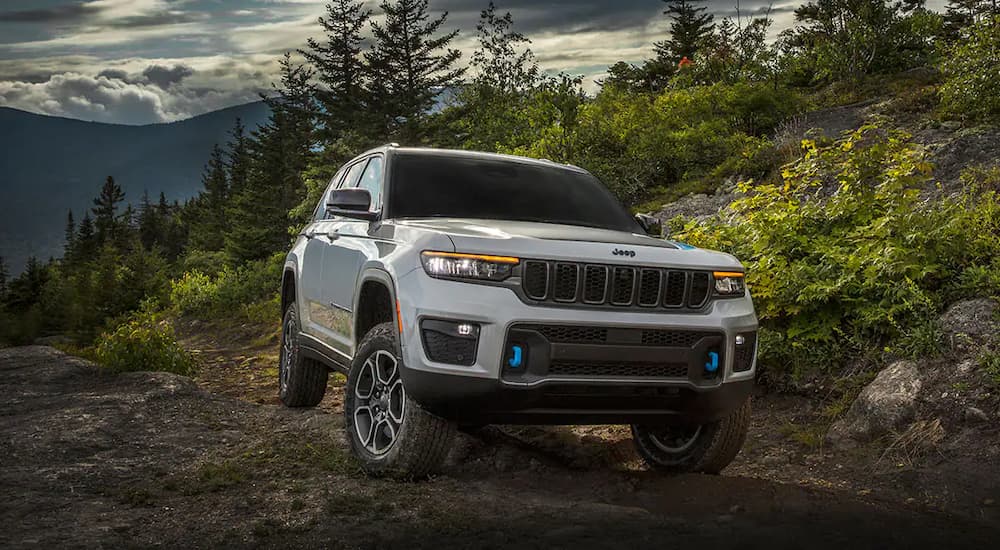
489, 391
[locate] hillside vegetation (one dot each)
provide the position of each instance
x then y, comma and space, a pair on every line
50, 165
852, 247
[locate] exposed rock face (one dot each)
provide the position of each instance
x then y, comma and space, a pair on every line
697, 206
961, 150
970, 322
885, 405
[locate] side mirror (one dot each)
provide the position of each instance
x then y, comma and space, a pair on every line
351, 203
651, 225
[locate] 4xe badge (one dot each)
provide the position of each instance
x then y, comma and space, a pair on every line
621, 252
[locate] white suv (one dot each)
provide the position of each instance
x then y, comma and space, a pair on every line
459, 289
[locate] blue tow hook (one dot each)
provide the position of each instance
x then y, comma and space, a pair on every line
515, 361
713, 362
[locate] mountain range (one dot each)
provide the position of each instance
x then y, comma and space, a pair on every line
51, 165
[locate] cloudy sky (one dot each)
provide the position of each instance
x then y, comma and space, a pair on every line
145, 61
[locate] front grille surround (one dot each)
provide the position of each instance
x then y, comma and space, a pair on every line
614, 286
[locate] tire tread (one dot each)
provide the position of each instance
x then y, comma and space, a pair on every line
308, 379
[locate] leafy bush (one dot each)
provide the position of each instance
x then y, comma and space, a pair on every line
143, 344
231, 290
640, 143
973, 77
845, 254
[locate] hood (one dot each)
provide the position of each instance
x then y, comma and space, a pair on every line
567, 242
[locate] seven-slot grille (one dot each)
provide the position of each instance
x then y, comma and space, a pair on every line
614, 285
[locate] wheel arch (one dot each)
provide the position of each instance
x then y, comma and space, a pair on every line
288, 289
376, 302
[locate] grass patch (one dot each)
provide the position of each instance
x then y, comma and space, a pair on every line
989, 361
216, 477
808, 435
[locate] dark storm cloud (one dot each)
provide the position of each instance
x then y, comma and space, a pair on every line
165, 77
568, 15
116, 74
155, 20
55, 14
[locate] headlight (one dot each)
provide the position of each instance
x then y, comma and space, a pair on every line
729, 283
468, 266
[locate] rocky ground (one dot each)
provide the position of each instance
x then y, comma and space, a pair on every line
152, 459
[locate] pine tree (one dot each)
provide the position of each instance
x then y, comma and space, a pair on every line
280, 151
959, 14
490, 109
4, 275
105, 211
25, 290
86, 239
70, 237
503, 62
410, 64
237, 158
150, 223
689, 28
339, 68
208, 225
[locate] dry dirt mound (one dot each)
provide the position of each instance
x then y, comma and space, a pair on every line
92, 459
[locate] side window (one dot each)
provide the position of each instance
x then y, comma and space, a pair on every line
339, 181
372, 181
353, 175
320, 212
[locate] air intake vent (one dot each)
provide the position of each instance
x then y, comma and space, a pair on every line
624, 282
566, 278
674, 294
536, 279
618, 369
649, 287
700, 285
595, 284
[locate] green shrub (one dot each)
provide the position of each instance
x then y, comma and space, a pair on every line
972, 74
143, 344
232, 290
643, 144
844, 254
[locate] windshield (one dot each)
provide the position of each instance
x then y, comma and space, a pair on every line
454, 186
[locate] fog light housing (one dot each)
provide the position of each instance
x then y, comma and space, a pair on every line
746, 351
450, 342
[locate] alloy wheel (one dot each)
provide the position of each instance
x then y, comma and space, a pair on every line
379, 403
675, 439
287, 355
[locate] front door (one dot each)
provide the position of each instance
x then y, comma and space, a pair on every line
350, 246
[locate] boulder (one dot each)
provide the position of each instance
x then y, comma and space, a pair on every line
887, 404
970, 322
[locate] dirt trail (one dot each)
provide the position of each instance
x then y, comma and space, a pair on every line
150, 459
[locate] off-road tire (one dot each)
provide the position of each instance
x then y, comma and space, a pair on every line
304, 384
713, 448
423, 439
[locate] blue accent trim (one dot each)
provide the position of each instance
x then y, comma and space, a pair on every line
684, 246
713, 362
515, 361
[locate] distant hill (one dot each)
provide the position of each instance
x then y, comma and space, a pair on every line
49, 165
